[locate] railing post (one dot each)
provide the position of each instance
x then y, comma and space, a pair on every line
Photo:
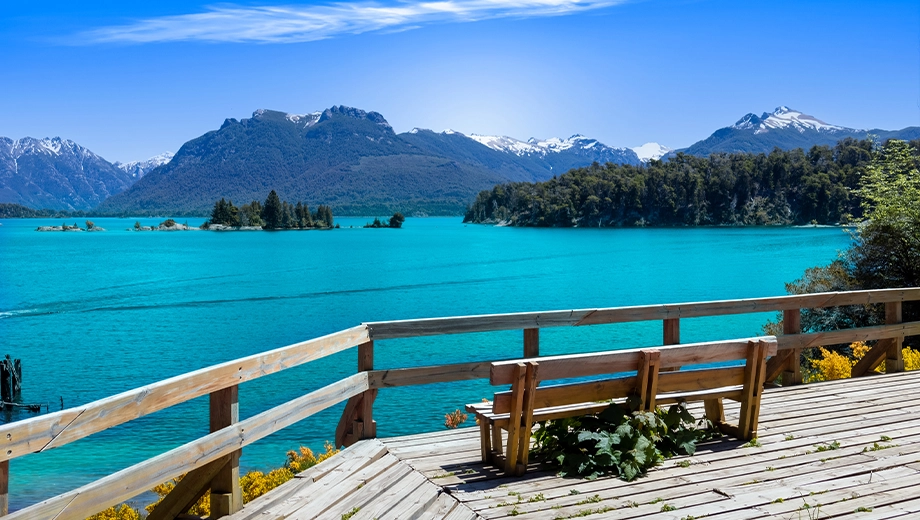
531, 343
226, 496
792, 324
366, 410
671, 331
4, 487
671, 337
894, 361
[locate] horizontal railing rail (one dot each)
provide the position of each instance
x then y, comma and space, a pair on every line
525, 320
60, 428
120, 486
207, 459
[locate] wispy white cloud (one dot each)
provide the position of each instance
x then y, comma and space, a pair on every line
293, 24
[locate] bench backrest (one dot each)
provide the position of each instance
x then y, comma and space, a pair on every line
627, 362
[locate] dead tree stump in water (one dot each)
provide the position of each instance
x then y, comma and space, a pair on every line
10, 379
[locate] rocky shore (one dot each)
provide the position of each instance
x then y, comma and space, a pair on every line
74, 228
166, 225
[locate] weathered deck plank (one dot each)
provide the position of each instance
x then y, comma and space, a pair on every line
440, 475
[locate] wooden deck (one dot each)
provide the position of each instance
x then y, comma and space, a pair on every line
796, 473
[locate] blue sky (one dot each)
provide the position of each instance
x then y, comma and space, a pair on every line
132, 80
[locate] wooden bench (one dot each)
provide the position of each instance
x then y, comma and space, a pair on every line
652, 375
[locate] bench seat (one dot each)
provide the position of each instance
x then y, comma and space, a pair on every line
655, 382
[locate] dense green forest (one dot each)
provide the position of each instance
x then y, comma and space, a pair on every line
8, 210
274, 213
782, 187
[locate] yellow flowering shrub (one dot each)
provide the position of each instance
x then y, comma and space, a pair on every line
253, 485
859, 349
911, 359
122, 512
837, 366
304, 458
201, 508
831, 366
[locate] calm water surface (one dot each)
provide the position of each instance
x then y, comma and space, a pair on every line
94, 314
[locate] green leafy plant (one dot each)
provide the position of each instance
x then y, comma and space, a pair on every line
753, 443
621, 441
827, 447
878, 447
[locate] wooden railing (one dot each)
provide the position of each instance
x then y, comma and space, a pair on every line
212, 462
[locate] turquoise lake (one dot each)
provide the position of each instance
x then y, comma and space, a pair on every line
94, 314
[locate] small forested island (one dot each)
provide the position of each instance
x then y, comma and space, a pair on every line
90, 226
272, 214
396, 222
780, 188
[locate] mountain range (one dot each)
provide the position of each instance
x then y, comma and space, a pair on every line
138, 169
786, 129
352, 160
56, 173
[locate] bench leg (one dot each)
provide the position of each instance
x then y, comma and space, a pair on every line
530, 394
514, 422
715, 412
754, 373
647, 378
496, 439
485, 438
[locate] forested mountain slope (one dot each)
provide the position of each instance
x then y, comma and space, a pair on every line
782, 187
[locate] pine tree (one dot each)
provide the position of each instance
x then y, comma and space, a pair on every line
272, 212
287, 217
233, 214
298, 215
323, 216
253, 212
396, 221
306, 220
217, 214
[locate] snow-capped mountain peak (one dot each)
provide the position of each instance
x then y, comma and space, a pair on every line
650, 151
47, 146
305, 119
138, 169
533, 145
503, 143
785, 117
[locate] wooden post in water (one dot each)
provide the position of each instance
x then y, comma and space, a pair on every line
366, 409
531, 343
10, 379
894, 361
792, 324
226, 495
